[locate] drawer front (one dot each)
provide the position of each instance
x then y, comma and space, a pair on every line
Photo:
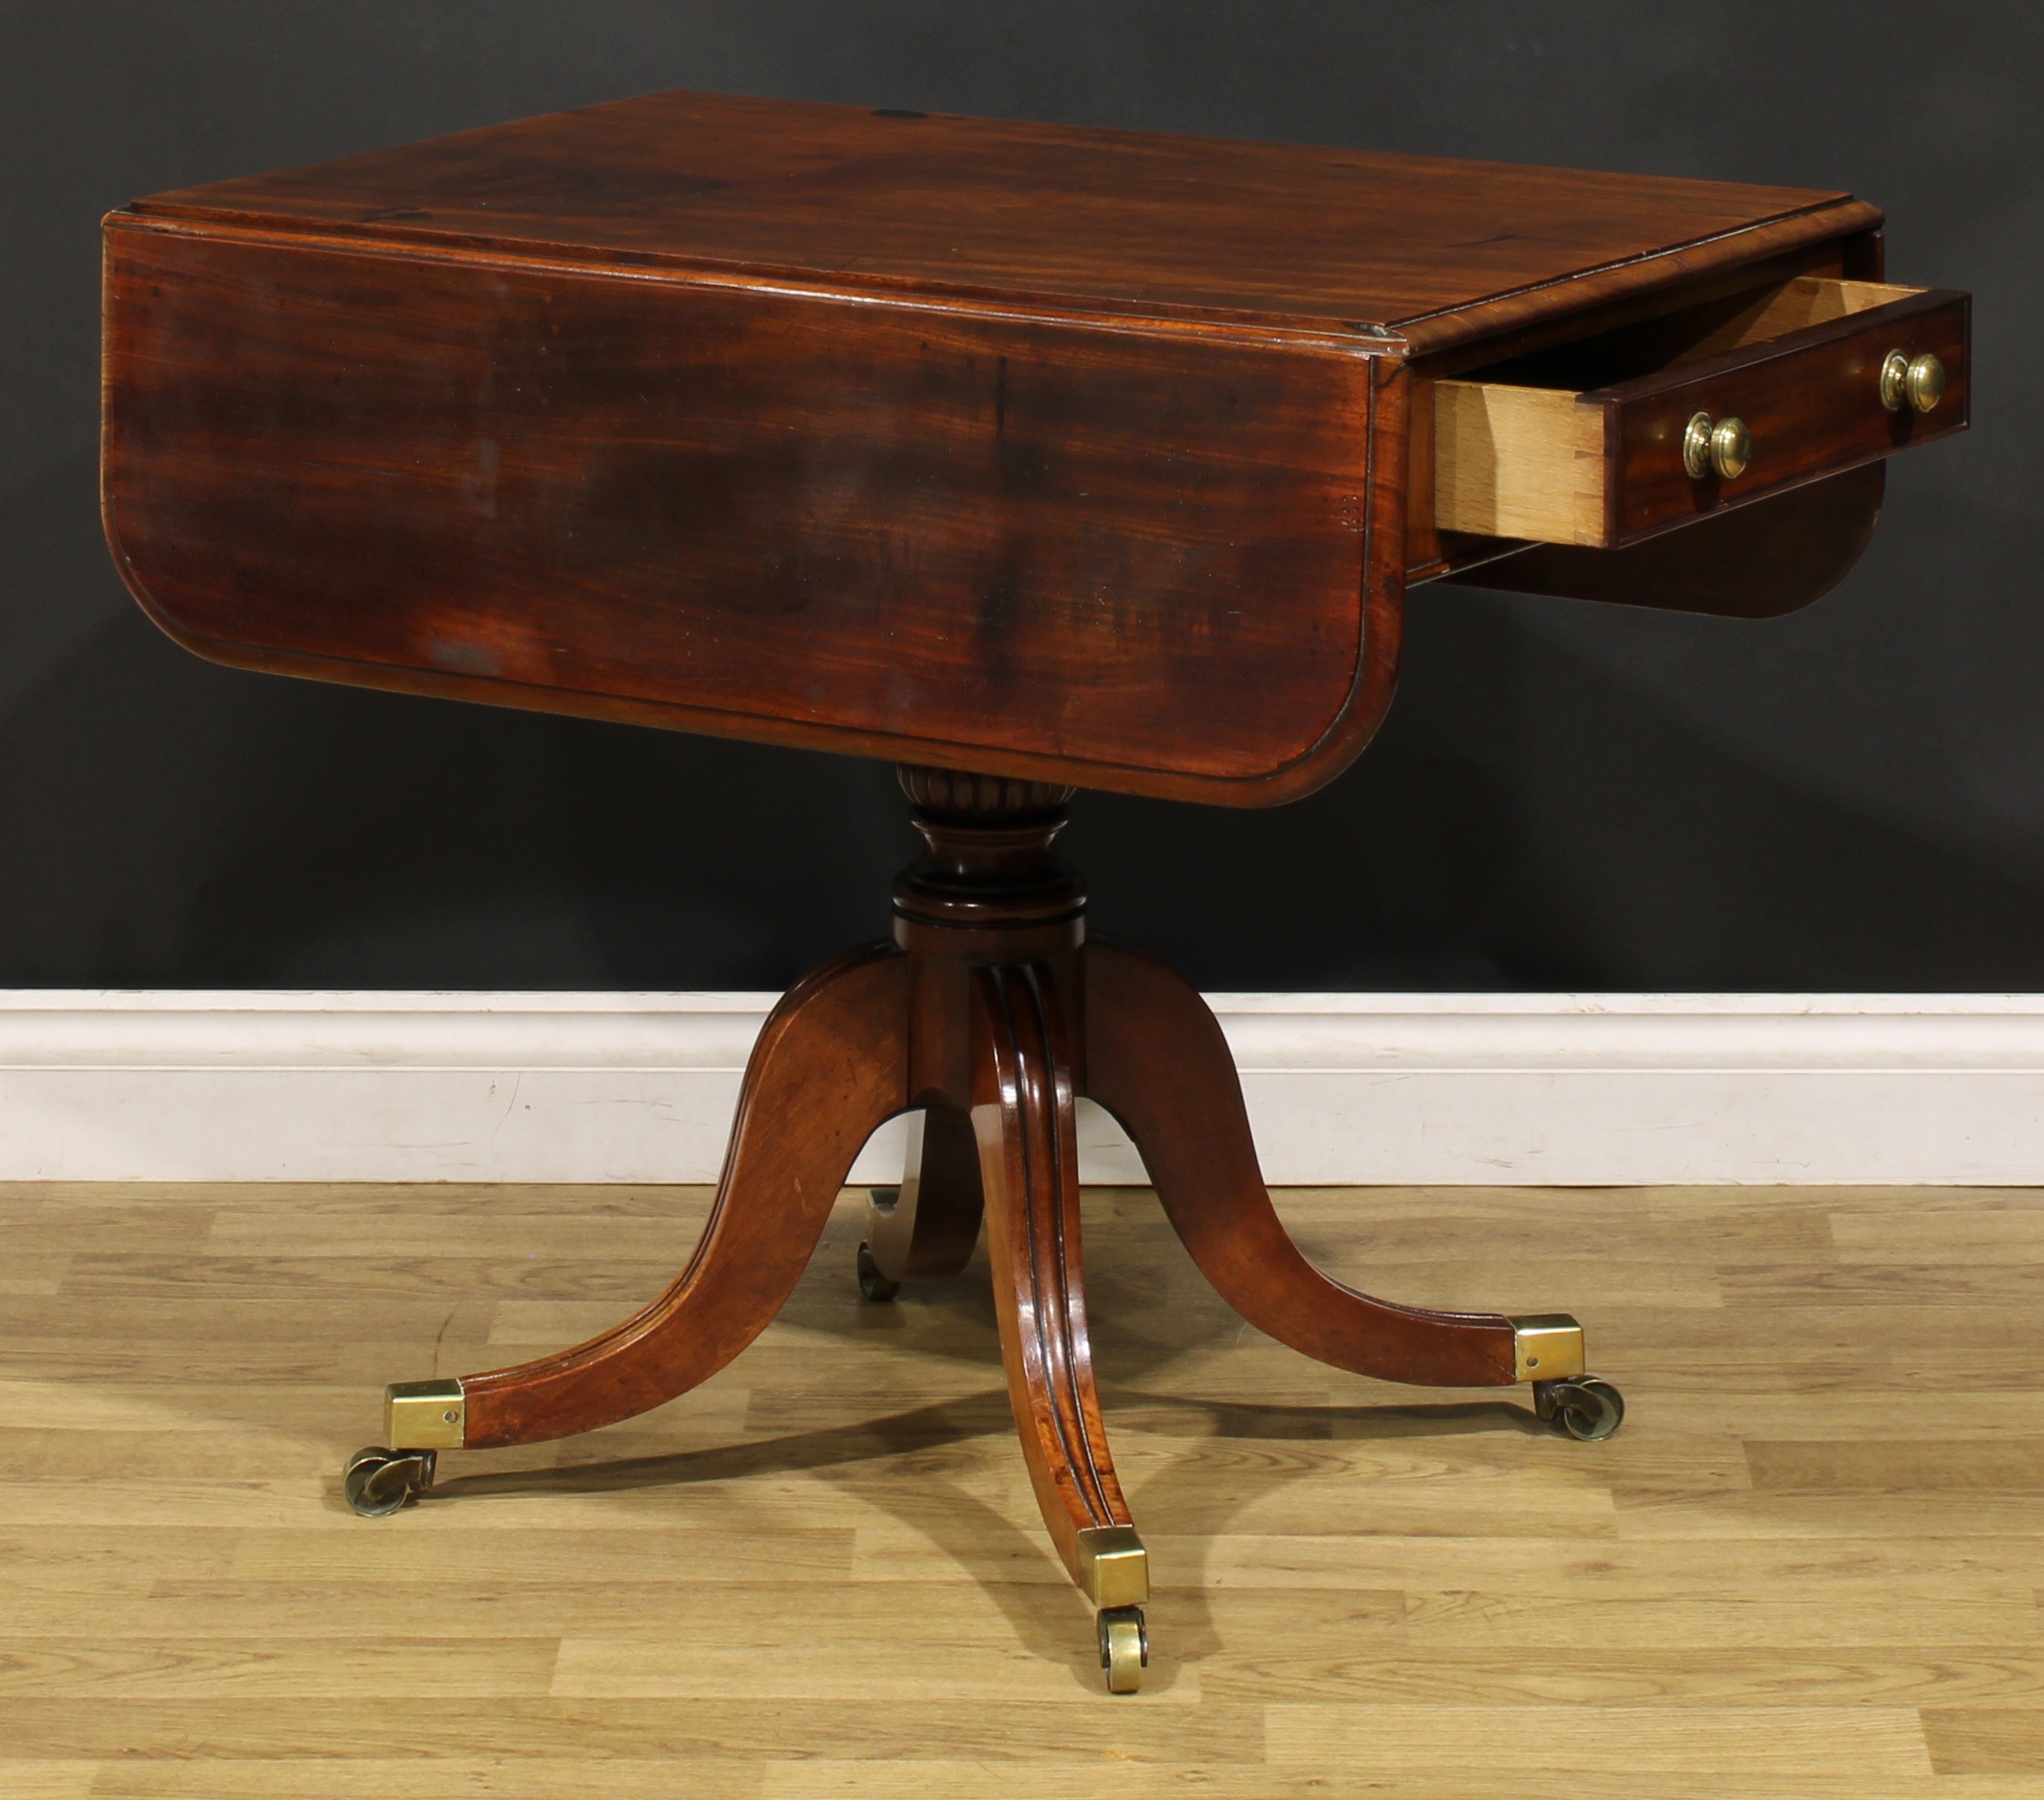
1811, 403
1800, 369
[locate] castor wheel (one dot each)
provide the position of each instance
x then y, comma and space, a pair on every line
1124, 1647
872, 1283
1587, 1407
379, 1482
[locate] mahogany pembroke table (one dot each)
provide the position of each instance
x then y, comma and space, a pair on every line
1026, 457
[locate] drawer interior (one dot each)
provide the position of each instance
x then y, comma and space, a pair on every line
1519, 453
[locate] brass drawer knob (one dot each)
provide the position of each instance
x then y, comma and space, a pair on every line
1917, 382
1723, 449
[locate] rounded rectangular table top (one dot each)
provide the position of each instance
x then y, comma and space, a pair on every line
1088, 457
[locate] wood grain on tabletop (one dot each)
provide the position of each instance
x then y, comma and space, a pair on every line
1810, 1563
1076, 216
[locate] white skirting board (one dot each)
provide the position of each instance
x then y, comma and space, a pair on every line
1558, 1089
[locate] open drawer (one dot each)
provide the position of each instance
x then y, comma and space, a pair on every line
1580, 446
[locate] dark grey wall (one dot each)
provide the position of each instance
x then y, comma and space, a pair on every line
1566, 795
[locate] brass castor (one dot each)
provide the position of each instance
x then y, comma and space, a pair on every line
872, 1283
379, 1482
1587, 1407
1124, 1647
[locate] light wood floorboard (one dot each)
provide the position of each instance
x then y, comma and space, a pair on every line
1812, 1563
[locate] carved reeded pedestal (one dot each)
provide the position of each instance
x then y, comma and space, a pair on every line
987, 1018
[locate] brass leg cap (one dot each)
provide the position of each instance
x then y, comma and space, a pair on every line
1113, 1566
425, 1416
1547, 1347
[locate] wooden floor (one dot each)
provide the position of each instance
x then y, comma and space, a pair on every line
1810, 1564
